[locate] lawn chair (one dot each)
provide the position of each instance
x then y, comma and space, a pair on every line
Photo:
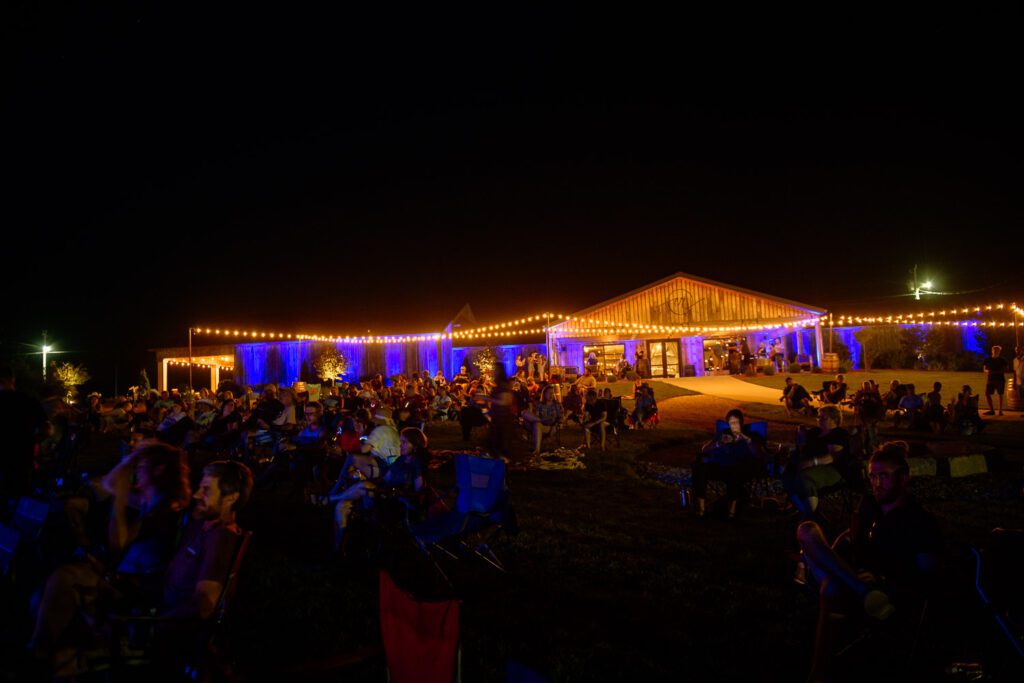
30, 516
134, 640
617, 418
481, 510
997, 580
421, 638
10, 539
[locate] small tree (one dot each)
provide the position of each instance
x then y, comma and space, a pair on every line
330, 365
485, 360
70, 377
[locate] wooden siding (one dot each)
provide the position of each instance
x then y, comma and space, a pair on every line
682, 302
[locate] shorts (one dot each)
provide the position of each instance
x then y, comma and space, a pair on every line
807, 483
996, 385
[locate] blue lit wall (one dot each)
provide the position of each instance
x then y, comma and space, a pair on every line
281, 362
507, 353
847, 336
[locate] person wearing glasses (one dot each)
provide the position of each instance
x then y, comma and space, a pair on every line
883, 566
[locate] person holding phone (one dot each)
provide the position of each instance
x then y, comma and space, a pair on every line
734, 456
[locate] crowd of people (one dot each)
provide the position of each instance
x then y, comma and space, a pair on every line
159, 529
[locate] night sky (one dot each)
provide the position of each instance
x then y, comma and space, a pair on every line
169, 165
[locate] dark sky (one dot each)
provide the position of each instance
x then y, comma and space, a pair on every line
171, 164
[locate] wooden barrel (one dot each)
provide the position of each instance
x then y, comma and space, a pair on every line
1012, 399
830, 362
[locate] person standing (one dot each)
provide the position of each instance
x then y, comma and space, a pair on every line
995, 378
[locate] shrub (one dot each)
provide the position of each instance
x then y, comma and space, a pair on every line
768, 370
751, 371
843, 369
816, 370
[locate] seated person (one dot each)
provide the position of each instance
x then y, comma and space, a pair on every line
545, 413
910, 407
644, 407
586, 382
362, 476
381, 437
303, 453
883, 566
965, 412
473, 413
836, 392
813, 466
795, 398
735, 456
892, 397
572, 404
595, 418
441, 406
149, 491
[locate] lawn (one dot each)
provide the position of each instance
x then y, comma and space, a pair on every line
608, 578
921, 379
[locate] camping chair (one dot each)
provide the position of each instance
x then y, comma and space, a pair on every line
30, 516
139, 632
421, 638
997, 580
10, 539
481, 510
617, 418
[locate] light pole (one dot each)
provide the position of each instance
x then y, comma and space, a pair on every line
46, 350
190, 360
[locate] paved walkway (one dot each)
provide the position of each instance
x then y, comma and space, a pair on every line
731, 388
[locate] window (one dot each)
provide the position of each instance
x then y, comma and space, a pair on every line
608, 356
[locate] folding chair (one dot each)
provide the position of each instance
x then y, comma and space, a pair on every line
481, 510
30, 516
208, 654
10, 539
997, 580
421, 638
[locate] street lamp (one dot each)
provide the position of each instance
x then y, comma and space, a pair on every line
46, 350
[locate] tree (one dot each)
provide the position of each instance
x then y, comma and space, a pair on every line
330, 365
70, 377
485, 360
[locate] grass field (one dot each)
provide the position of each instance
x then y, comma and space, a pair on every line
921, 379
608, 578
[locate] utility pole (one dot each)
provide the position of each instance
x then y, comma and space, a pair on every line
190, 360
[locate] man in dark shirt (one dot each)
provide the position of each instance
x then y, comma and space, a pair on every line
995, 371
883, 565
22, 425
795, 397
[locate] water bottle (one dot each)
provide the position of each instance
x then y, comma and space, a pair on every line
685, 496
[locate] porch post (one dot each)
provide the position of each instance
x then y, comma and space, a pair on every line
817, 341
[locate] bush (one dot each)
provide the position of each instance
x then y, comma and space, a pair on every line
816, 370
751, 371
768, 370
843, 369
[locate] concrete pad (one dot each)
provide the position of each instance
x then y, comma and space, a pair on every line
966, 465
724, 386
923, 467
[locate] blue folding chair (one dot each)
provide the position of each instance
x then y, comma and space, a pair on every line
30, 516
10, 539
481, 510
757, 428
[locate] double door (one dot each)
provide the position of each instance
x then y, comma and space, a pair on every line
664, 358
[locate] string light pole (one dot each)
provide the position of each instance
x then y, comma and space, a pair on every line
190, 359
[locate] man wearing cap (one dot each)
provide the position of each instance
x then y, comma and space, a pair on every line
382, 441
